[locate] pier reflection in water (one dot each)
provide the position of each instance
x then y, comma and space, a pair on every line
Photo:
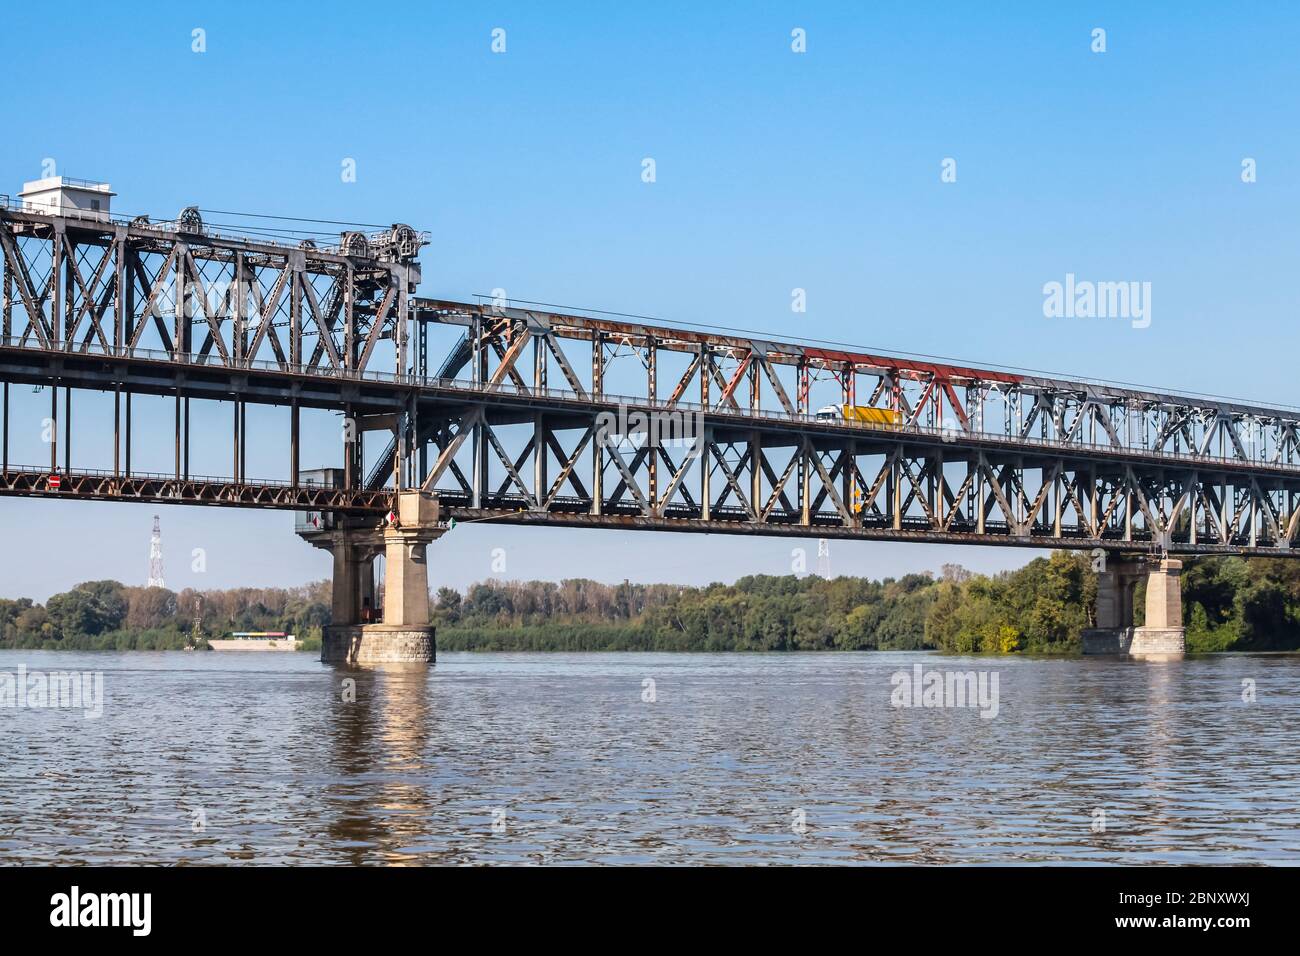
561, 758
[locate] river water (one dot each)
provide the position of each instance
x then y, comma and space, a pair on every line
271, 758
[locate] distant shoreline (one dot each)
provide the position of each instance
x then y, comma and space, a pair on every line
1043, 608
934, 651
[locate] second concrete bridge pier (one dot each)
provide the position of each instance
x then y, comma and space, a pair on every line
1162, 635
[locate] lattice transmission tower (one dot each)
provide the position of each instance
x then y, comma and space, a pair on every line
155, 556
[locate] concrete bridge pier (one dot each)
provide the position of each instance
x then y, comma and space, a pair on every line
359, 633
1162, 636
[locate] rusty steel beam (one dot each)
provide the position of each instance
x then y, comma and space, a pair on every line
25, 480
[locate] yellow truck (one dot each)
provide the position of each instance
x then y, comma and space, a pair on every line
859, 413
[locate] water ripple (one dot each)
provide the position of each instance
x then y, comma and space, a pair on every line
518, 758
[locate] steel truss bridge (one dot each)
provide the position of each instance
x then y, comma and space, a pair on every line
541, 417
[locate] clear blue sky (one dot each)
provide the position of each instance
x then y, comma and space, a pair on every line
775, 170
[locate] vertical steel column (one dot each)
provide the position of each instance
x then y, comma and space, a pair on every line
539, 363
119, 286
652, 395
117, 431
422, 349
597, 446
1128, 511
234, 459
412, 439
972, 499
401, 435
239, 302
178, 437
1056, 492
54, 426
56, 284
706, 373
706, 466
399, 448
69, 293
293, 443
896, 489
67, 430
7, 300
349, 318
803, 472
540, 484
126, 296
1225, 509
422, 447
539, 421
297, 264
850, 480
805, 484
180, 345
1253, 513
401, 328
479, 475
934, 480
128, 435
349, 445
480, 351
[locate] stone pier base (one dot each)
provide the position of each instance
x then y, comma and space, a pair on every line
368, 644
1107, 640
1158, 643
1144, 643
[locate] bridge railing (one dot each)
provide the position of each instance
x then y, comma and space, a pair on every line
136, 475
946, 433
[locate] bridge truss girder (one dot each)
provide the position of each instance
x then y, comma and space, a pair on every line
515, 423
554, 468
1059, 464
719, 374
181, 292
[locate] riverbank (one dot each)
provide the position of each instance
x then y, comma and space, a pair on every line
1229, 604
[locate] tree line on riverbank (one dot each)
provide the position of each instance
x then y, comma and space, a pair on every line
108, 615
1229, 604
